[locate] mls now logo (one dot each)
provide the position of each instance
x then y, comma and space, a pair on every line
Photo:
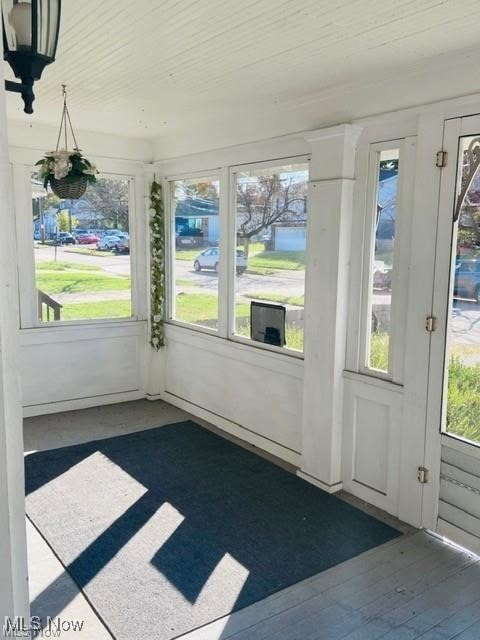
20, 627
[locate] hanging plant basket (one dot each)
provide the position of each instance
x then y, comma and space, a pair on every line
72, 187
67, 172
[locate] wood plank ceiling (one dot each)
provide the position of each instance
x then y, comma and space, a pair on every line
145, 67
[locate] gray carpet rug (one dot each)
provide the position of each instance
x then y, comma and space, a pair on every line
168, 529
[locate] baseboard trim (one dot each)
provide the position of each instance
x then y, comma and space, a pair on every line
81, 403
329, 488
234, 429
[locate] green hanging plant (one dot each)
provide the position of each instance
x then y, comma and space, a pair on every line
157, 266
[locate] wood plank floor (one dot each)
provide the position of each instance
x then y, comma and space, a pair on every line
413, 587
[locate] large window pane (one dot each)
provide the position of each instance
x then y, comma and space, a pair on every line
82, 252
271, 226
463, 341
196, 255
382, 265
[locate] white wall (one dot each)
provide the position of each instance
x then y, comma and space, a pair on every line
85, 365
28, 133
253, 394
13, 558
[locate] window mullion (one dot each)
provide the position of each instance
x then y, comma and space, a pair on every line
170, 248
232, 244
224, 292
26, 260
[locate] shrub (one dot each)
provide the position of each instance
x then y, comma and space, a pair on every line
379, 350
463, 407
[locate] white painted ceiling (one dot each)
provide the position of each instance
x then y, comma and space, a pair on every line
211, 69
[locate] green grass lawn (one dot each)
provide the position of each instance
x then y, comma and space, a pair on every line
298, 301
202, 308
182, 282
254, 248
286, 260
95, 310
70, 281
463, 407
51, 265
187, 254
293, 335
379, 350
463, 404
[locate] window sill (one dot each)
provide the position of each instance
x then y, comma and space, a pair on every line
198, 328
176, 331
376, 381
283, 351
85, 324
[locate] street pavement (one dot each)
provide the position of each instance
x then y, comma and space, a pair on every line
288, 283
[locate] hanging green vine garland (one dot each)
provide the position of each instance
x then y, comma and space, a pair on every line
157, 266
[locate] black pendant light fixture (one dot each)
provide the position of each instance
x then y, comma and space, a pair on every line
30, 35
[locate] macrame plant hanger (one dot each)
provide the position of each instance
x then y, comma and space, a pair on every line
73, 186
66, 122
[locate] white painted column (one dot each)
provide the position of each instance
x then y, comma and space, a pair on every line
326, 301
13, 554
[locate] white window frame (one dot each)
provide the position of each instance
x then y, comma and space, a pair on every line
406, 148
227, 246
232, 240
170, 248
22, 171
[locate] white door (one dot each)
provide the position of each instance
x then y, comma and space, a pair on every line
454, 371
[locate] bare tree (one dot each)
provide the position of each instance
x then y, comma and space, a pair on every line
265, 200
109, 202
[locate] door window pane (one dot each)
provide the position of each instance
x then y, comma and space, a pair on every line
463, 338
271, 227
82, 252
382, 264
195, 253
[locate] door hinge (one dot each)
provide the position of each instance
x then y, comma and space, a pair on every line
431, 324
422, 475
441, 159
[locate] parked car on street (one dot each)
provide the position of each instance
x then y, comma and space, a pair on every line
122, 246
107, 243
467, 279
117, 232
189, 238
63, 237
87, 238
208, 259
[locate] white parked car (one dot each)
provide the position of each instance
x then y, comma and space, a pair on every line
107, 243
117, 232
208, 259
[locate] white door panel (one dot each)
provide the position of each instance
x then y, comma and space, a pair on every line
454, 381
